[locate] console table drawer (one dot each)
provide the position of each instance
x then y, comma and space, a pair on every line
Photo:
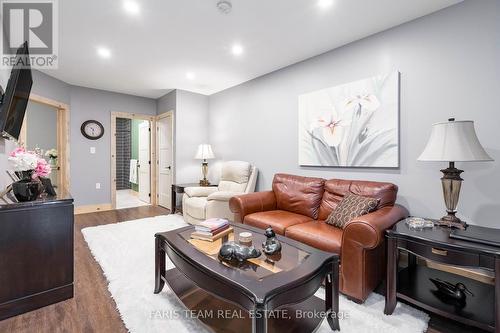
445, 256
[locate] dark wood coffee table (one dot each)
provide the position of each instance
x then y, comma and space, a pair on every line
269, 293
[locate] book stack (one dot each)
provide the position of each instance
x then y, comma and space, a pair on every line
212, 229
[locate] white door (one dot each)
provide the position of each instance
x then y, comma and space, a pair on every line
144, 164
165, 161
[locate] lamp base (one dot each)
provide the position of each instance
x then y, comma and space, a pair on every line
451, 183
452, 221
204, 171
204, 182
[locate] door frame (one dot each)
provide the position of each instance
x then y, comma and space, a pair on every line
152, 151
172, 173
63, 126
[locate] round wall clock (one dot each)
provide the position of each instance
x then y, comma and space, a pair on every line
92, 129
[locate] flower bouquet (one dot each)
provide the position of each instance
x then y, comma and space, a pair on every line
52, 155
28, 167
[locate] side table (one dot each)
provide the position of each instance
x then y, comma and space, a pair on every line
412, 283
179, 189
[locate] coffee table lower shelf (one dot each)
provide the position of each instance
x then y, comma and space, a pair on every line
221, 316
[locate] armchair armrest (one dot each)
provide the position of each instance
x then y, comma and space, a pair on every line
243, 205
368, 230
200, 191
222, 195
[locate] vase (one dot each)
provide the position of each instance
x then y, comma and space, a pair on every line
26, 190
24, 175
53, 162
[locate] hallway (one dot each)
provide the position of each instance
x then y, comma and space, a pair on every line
128, 198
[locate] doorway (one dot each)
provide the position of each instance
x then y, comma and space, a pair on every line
45, 130
165, 137
131, 156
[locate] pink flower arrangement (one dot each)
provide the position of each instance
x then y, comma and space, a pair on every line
28, 161
17, 151
42, 169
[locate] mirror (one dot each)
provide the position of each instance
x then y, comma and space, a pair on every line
39, 133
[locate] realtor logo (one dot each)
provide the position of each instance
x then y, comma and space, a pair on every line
34, 21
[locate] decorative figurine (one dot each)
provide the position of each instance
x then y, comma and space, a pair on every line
232, 252
272, 245
455, 291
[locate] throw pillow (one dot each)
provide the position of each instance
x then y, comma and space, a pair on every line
350, 207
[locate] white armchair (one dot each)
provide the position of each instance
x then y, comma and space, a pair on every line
201, 203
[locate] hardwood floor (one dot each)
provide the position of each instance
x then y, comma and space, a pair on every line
92, 309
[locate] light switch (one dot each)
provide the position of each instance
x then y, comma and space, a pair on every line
92, 150
98, 186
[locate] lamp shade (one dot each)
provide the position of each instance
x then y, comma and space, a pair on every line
454, 141
204, 152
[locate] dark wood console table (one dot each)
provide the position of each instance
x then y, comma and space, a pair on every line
36, 254
412, 284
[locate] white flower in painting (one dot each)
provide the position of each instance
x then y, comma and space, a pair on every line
367, 102
332, 127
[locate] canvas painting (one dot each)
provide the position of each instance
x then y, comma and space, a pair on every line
351, 125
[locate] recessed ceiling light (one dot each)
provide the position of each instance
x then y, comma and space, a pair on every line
190, 75
237, 49
324, 4
104, 52
131, 7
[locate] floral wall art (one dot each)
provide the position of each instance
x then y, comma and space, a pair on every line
351, 125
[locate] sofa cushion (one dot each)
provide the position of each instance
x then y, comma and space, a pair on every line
317, 234
351, 207
301, 195
279, 220
336, 189
195, 207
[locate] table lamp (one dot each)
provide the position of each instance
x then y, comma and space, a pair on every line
453, 141
204, 153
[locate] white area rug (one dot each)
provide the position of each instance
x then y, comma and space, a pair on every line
125, 252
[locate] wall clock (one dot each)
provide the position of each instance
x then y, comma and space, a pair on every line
92, 129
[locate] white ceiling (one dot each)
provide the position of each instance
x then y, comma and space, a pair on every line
153, 51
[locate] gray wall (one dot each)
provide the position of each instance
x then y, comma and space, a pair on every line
449, 64
41, 121
88, 169
49, 87
191, 129
167, 102
191, 116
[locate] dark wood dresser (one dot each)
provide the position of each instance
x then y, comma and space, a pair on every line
36, 254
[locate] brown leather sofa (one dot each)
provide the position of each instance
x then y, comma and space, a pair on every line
297, 208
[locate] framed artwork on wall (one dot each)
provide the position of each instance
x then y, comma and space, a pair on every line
351, 125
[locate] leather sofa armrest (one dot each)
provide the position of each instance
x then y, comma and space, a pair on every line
200, 191
222, 195
243, 205
369, 230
